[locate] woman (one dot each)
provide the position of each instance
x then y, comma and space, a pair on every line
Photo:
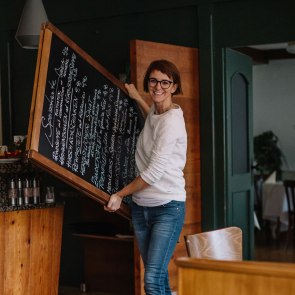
158, 193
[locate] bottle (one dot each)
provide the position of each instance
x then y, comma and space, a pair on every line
26, 191
49, 196
36, 191
12, 193
19, 192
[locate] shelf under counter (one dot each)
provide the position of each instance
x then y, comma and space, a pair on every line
108, 263
121, 238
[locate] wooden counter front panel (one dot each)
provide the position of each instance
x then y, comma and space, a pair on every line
30, 247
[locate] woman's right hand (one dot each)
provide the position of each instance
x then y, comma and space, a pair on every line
114, 203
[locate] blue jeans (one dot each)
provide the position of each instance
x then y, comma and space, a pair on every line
157, 231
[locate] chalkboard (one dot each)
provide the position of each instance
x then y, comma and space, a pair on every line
83, 126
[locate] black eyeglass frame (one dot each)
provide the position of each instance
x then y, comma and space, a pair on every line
161, 81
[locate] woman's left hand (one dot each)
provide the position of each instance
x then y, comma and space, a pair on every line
114, 203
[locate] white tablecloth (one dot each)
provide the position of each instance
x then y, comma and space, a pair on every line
274, 202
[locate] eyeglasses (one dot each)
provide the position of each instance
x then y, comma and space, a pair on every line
165, 84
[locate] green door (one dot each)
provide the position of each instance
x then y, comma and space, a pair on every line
239, 151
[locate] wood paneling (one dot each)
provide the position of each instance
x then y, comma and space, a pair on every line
186, 59
30, 246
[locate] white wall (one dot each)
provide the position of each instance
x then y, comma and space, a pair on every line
274, 104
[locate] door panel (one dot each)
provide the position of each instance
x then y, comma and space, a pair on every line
238, 96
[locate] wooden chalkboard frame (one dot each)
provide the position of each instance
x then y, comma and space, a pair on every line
90, 190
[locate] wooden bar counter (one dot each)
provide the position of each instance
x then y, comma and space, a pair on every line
30, 247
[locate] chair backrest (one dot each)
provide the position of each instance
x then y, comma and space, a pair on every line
220, 244
290, 194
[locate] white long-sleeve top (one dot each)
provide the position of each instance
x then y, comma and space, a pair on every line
161, 157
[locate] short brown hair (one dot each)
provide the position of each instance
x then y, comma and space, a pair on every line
166, 67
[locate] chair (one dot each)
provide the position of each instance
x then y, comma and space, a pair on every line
220, 244
290, 195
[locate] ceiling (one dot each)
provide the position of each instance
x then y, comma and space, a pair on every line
262, 54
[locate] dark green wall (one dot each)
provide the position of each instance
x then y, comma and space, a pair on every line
107, 39
23, 64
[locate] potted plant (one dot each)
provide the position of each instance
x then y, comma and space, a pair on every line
268, 156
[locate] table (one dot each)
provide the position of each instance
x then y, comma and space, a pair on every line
274, 204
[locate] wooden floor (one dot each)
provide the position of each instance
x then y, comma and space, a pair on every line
269, 247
